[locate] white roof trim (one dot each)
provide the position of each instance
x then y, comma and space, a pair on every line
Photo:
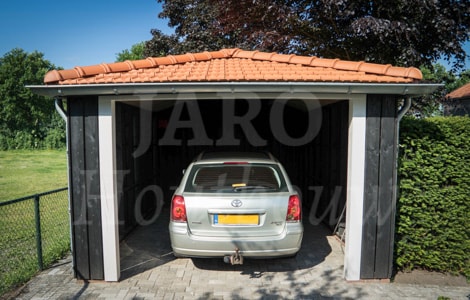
411, 89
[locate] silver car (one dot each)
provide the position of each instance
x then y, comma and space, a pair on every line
235, 205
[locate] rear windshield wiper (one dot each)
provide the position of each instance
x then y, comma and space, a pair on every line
252, 187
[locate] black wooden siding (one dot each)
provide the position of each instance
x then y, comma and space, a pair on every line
379, 188
85, 187
330, 150
136, 172
125, 166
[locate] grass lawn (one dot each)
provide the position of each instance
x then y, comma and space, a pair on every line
27, 172
24, 173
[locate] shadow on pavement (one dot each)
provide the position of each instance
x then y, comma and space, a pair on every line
149, 246
146, 247
314, 249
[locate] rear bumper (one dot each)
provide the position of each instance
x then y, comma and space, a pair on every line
185, 244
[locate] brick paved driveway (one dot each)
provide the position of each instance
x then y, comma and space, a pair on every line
149, 271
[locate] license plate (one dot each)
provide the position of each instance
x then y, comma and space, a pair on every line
236, 219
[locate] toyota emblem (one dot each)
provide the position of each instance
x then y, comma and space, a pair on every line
237, 203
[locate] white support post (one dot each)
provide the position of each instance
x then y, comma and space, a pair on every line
355, 189
109, 203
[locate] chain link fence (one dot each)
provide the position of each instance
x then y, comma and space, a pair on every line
34, 233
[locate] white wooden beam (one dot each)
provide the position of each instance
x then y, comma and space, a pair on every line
109, 203
355, 189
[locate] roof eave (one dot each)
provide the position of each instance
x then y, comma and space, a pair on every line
410, 89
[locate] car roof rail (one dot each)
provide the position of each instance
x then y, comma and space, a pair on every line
215, 154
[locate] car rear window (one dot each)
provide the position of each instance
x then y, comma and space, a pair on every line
242, 178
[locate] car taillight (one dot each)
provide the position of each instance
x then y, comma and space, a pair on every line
178, 209
294, 209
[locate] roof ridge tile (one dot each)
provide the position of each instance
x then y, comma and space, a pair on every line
244, 54
130, 64
302, 60
218, 54
153, 62
232, 52
80, 71
322, 62
346, 65
283, 58
105, 68
53, 76
172, 59
414, 73
118, 67
191, 57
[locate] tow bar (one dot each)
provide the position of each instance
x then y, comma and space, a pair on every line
234, 259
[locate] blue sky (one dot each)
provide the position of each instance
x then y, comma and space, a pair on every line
77, 32
81, 32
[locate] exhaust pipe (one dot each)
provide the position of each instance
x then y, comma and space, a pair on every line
234, 259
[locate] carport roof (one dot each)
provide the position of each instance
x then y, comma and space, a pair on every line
233, 65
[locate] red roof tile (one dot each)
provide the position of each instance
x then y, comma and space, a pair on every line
461, 92
233, 65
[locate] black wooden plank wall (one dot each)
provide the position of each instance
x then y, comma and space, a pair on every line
85, 187
125, 116
332, 145
379, 188
136, 171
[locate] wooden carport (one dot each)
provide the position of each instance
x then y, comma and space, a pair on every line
108, 107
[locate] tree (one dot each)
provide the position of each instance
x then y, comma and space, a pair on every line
406, 33
136, 52
24, 117
458, 81
161, 44
196, 29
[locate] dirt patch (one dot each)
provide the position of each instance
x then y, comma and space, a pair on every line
433, 278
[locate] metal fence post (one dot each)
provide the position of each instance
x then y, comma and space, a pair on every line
37, 214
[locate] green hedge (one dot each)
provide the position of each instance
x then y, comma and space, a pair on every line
49, 135
433, 210
54, 138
